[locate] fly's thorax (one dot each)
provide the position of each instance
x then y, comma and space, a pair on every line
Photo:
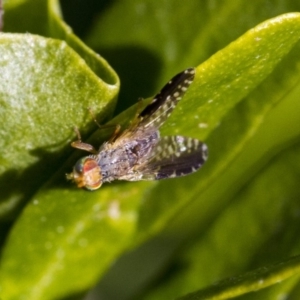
114, 162
119, 159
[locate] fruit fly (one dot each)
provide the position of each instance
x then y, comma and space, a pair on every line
139, 152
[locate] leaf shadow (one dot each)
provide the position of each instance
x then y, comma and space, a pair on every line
18, 186
86, 11
138, 69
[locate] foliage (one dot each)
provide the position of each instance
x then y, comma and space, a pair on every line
235, 222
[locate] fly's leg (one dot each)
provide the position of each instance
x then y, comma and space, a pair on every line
94, 118
139, 107
82, 146
116, 131
137, 118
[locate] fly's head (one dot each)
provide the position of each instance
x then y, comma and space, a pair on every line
86, 173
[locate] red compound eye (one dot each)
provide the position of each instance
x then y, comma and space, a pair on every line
88, 165
87, 173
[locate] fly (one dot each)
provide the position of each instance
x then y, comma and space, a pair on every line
139, 152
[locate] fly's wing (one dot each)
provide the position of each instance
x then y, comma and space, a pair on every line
174, 156
156, 113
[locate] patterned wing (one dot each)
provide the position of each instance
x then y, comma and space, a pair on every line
156, 113
174, 156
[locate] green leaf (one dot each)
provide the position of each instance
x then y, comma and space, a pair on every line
22, 16
59, 29
46, 90
258, 215
213, 94
225, 246
250, 282
163, 38
68, 242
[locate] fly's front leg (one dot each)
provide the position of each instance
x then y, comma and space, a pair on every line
82, 146
88, 147
139, 107
137, 117
116, 131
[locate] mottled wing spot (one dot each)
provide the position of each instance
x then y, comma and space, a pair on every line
156, 113
176, 156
